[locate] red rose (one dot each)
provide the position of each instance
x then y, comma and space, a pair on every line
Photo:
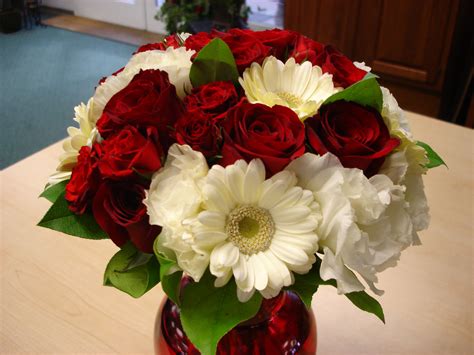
169, 41
357, 135
84, 179
278, 40
197, 41
148, 100
344, 72
120, 212
128, 151
214, 99
245, 47
273, 134
200, 132
306, 49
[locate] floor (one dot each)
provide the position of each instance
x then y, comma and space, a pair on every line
45, 73
102, 29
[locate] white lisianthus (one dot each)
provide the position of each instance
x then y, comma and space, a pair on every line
175, 61
301, 87
393, 113
173, 201
365, 222
85, 134
406, 164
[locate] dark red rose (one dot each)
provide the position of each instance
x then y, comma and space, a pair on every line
84, 179
199, 131
273, 134
169, 41
245, 47
214, 99
344, 72
279, 40
357, 135
197, 41
120, 212
128, 151
307, 49
148, 100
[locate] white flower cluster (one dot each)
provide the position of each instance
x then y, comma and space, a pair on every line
260, 231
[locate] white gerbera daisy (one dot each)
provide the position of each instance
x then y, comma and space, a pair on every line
85, 134
259, 231
301, 87
175, 61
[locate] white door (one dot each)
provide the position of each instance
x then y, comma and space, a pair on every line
152, 24
130, 13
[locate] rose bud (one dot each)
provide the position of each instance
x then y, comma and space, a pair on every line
128, 151
214, 99
148, 100
120, 212
273, 134
357, 135
200, 132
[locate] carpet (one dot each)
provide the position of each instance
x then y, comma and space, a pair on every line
44, 73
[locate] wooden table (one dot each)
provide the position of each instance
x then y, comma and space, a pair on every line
53, 301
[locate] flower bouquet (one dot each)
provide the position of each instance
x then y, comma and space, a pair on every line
236, 167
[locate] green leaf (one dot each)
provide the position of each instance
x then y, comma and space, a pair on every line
53, 192
170, 277
370, 75
214, 62
170, 274
132, 271
434, 159
367, 303
60, 218
171, 285
306, 285
208, 313
365, 92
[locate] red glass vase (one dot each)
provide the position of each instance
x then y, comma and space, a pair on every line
283, 325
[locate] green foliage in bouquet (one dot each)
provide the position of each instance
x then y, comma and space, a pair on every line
434, 159
132, 271
306, 286
365, 92
60, 218
214, 62
208, 312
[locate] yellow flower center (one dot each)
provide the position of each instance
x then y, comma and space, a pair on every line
250, 228
292, 100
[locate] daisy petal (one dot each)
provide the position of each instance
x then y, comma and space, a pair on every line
261, 276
